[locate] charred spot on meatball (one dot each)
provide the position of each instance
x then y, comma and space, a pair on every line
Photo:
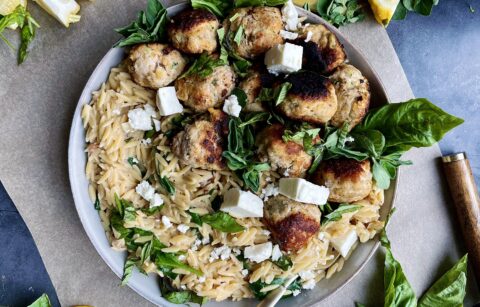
291, 223
309, 85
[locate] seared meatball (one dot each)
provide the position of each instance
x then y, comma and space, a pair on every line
194, 31
202, 93
155, 65
261, 30
353, 95
348, 180
323, 53
201, 144
288, 158
252, 86
291, 223
312, 98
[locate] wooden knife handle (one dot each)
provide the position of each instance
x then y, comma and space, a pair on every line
467, 204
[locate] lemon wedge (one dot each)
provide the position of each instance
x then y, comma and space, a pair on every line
64, 11
383, 10
311, 3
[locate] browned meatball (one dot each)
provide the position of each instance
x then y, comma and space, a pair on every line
291, 223
261, 30
348, 180
194, 31
323, 53
155, 65
201, 144
288, 158
202, 93
252, 86
312, 98
353, 95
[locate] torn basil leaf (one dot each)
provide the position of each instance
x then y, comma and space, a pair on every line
222, 221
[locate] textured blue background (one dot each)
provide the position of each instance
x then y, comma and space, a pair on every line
441, 57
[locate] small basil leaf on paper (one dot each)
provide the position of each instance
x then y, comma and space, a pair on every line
284, 262
217, 7
415, 123
223, 222
449, 290
337, 214
340, 12
42, 301
243, 3
171, 261
130, 263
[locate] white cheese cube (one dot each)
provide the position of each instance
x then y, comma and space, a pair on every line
344, 243
140, 119
145, 190
285, 58
156, 201
167, 101
258, 253
241, 204
231, 106
303, 191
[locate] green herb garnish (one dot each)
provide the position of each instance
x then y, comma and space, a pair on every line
223, 222
337, 214
284, 262
217, 7
340, 12
243, 3
203, 66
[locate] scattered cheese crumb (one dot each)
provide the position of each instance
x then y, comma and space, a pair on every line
309, 36
231, 106
236, 251
156, 123
182, 257
183, 287
259, 252
269, 190
288, 34
116, 111
145, 190
276, 253
183, 228
156, 201
310, 284
290, 16
166, 222
196, 244
141, 118
201, 279
286, 173
295, 292
146, 142
306, 275
206, 240
222, 252
244, 272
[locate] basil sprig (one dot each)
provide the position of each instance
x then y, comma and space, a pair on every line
217, 7
422, 7
203, 66
337, 214
150, 26
255, 287
179, 297
243, 3
340, 12
222, 221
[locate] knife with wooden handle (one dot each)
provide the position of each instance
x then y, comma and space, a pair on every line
467, 204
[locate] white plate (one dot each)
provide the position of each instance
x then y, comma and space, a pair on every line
148, 286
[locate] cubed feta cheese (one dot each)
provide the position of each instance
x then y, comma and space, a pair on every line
183, 228
140, 119
166, 222
231, 106
276, 253
259, 252
156, 201
344, 243
290, 16
145, 190
241, 204
288, 34
167, 101
286, 58
303, 191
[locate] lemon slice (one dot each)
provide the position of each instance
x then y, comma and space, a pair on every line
312, 3
383, 10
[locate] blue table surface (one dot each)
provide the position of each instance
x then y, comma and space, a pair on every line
441, 58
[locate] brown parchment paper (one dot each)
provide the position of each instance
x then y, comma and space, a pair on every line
37, 101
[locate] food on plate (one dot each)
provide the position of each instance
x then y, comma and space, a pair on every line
226, 176
353, 95
155, 65
194, 31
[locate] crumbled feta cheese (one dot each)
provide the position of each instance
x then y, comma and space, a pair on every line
269, 190
288, 34
206, 240
202, 279
244, 272
286, 173
306, 275
183, 287
268, 179
222, 252
145, 190
156, 201
231, 106
150, 110
182, 257
303, 191
290, 16
284, 58
349, 139
135, 160
195, 245
259, 252
309, 36
241, 204
321, 236
156, 123
146, 141
295, 292
236, 251
265, 232
310, 284
344, 243
276, 253
140, 118
183, 228
167, 101
166, 222
116, 111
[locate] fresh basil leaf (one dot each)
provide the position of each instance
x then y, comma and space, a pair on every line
96, 205
281, 92
223, 222
129, 214
251, 178
450, 289
238, 35
217, 7
337, 214
149, 134
381, 175
150, 26
257, 286
234, 162
284, 262
241, 96
255, 117
326, 208
400, 12
244, 3
167, 260
372, 141
167, 185
130, 263
179, 297
195, 218
340, 12
203, 66
116, 222
42, 301
415, 123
